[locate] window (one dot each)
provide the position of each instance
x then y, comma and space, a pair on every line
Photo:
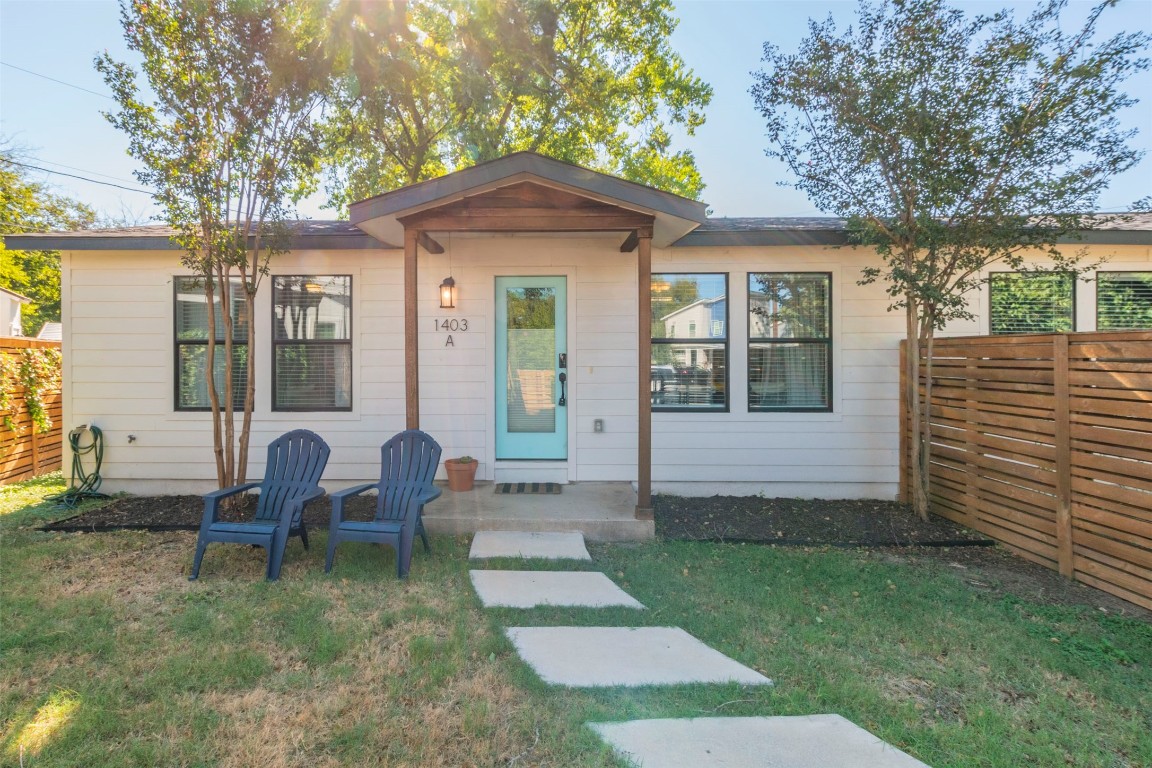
192, 345
312, 343
790, 341
1123, 301
689, 373
1031, 302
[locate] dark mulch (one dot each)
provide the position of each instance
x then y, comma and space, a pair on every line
891, 528
183, 513
805, 522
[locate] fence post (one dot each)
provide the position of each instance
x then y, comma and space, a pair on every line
1063, 442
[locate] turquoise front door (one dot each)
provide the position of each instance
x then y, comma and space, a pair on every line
531, 352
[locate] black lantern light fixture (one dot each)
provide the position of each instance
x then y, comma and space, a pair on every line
448, 294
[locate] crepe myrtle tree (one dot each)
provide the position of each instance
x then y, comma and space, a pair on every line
950, 144
226, 137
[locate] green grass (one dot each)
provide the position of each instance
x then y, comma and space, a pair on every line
112, 658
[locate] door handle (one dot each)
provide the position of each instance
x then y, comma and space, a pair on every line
563, 394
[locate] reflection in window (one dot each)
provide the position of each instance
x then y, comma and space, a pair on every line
1123, 301
312, 343
192, 345
789, 341
1031, 303
689, 372
531, 346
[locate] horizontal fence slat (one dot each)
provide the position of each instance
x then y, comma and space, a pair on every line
1005, 414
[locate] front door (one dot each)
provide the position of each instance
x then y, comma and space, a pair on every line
531, 368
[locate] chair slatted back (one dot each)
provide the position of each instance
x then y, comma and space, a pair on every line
296, 460
408, 464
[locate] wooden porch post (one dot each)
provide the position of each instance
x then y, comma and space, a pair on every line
643, 373
411, 335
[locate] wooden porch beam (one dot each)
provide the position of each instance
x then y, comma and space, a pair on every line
411, 337
644, 374
528, 220
427, 243
630, 242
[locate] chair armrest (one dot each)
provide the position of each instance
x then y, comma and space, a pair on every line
429, 493
212, 499
339, 497
288, 512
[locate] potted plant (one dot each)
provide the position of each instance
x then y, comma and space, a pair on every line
461, 473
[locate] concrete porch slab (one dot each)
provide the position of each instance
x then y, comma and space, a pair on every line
528, 589
548, 546
588, 657
601, 511
814, 741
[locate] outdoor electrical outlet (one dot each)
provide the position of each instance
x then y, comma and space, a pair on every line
598, 425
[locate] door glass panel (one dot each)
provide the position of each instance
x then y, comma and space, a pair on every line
531, 359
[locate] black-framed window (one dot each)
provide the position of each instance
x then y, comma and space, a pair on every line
789, 341
1123, 301
191, 332
312, 343
689, 342
1031, 302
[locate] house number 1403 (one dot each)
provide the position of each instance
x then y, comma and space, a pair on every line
455, 325
452, 326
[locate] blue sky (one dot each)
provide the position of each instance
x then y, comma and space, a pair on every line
62, 129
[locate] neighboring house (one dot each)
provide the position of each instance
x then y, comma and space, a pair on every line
759, 363
51, 332
10, 303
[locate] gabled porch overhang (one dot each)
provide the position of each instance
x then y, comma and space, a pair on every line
530, 193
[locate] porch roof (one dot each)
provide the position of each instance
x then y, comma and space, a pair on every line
384, 216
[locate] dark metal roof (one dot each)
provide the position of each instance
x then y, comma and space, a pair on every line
1133, 229
306, 235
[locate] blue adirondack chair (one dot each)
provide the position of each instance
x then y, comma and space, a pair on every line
296, 460
408, 463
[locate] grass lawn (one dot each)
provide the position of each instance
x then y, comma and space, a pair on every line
110, 657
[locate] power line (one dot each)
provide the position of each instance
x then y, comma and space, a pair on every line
83, 170
61, 82
82, 178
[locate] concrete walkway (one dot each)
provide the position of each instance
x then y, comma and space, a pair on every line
640, 656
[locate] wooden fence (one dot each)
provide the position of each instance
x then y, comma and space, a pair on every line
1044, 442
27, 453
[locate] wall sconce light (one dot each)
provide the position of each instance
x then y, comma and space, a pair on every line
448, 294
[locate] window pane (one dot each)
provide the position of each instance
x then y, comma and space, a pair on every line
192, 362
313, 376
1026, 303
1123, 301
689, 375
531, 346
192, 312
788, 306
696, 306
312, 307
788, 376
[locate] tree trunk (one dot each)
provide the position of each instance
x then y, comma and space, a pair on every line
919, 459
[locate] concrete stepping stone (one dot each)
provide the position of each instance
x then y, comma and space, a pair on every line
548, 546
528, 589
586, 657
813, 741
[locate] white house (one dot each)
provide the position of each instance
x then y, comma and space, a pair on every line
10, 303
697, 355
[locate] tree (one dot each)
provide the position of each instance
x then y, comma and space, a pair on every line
230, 139
28, 206
950, 144
435, 86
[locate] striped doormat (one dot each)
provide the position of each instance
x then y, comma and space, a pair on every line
527, 487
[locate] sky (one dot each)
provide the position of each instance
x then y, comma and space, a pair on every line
51, 98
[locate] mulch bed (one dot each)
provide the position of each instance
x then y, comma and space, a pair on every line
805, 522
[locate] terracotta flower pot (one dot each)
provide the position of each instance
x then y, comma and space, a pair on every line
461, 474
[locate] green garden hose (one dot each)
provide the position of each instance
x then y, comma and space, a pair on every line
84, 485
